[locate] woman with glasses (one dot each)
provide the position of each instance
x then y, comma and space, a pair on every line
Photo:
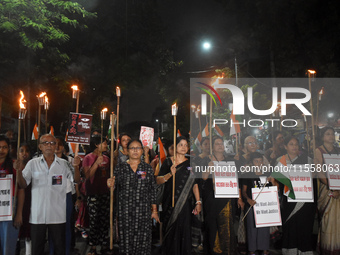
96, 167
135, 189
177, 220
9, 229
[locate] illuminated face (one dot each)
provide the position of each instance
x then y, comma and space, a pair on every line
292, 147
218, 146
59, 147
329, 136
205, 146
4, 149
47, 145
24, 153
125, 140
135, 150
182, 147
251, 144
102, 146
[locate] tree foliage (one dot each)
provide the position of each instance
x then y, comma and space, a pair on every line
39, 22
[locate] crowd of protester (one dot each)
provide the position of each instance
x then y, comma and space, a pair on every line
59, 194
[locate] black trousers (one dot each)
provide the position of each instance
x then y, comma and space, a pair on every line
38, 237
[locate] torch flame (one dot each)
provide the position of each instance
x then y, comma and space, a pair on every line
22, 100
312, 71
74, 87
46, 99
42, 94
104, 110
321, 91
193, 106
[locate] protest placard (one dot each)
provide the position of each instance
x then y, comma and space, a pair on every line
146, 136
6, 193
267, 208
79, 130
225, 179
302, 183
333, 172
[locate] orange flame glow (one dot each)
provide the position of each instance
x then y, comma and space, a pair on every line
74, 87
22, 100
46, 99
42, 94
104, 110
312, 71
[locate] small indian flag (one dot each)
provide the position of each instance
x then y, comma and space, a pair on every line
283, 177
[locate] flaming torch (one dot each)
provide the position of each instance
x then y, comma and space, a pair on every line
22, 114
46, 107
112, 123
75, 95
118, 94
311, 77
317, 106
102, 118
41, 101
174, 110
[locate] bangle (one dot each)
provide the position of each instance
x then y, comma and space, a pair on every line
164, 178
199, 202
75, 165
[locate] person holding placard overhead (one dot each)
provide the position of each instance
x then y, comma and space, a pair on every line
258, 238
218, 212
177, 220
297, 217
328, 201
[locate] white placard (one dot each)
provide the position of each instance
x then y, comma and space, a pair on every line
6, 194
333, 172
267, 208
302, 183
146, 136
225, 179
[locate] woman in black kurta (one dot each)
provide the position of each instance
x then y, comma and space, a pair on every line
177, 220
297, 217
218, 212
136, 188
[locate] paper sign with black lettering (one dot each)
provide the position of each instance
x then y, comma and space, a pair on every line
267, 208
333, 172
225, 179
6, 187
79, 130
302, 183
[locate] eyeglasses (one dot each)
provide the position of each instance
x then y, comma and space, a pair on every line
135, 148
48, 143
252, 143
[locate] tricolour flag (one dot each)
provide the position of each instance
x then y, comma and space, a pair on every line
161, 151
71, 146
283, 177
51, 130
178, 133
35, 132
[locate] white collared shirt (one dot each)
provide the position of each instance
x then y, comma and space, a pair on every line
48, 204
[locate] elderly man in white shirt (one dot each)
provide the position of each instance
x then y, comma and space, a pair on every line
48, 175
